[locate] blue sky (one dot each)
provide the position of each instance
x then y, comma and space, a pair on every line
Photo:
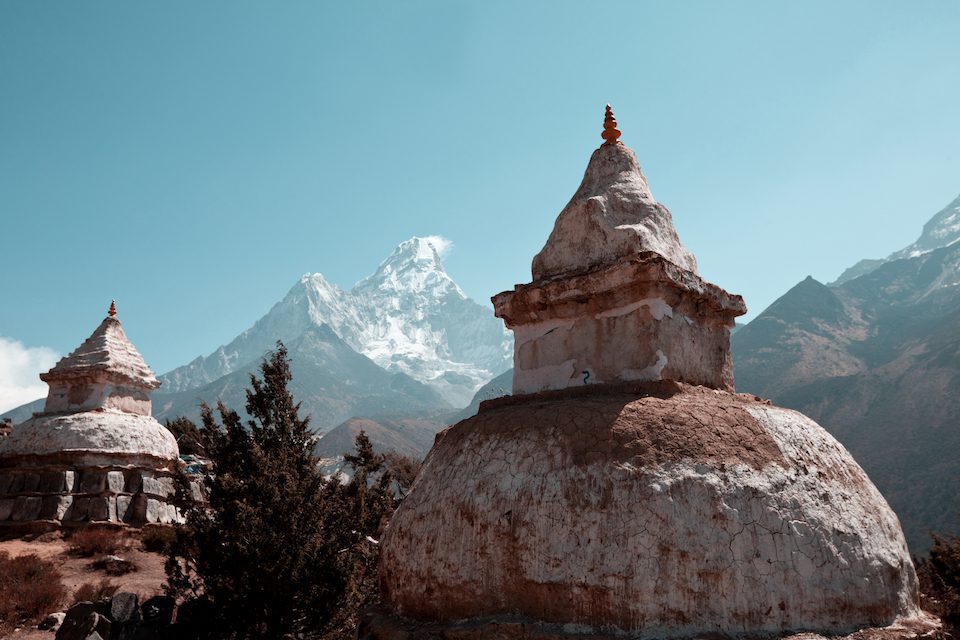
192, 160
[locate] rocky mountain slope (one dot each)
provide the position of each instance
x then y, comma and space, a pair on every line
332, 381
875, 359
410, 437
408, 317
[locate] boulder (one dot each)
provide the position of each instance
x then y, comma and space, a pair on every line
125, 616
82, 622
52, 622
125, 607
115, 566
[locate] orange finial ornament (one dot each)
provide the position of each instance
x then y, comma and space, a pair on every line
610, 131
113, 309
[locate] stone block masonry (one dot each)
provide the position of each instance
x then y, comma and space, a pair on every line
74, 497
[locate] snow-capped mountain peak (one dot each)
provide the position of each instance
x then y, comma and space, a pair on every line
415, 266
409, 317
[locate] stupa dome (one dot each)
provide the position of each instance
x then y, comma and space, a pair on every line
625, 489
652, 509
98, 435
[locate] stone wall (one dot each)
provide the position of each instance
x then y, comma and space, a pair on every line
75, 496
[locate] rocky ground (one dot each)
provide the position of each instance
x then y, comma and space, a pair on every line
146, 580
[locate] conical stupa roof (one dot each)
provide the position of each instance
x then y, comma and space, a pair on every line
107, 351
612, 215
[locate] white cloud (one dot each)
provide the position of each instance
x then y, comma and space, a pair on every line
19, 368
440, 244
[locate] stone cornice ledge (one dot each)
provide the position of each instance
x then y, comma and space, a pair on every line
610, 285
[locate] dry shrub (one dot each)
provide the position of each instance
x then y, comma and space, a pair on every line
93, 591
157, 538
98, 541
30, 588
939, 575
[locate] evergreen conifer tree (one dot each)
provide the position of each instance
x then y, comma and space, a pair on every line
278, 549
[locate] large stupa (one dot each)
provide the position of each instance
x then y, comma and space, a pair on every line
625, 489
95, 454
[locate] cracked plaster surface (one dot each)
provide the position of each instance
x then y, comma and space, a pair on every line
685, 511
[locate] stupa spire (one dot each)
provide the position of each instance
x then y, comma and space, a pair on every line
610, 131
112, 312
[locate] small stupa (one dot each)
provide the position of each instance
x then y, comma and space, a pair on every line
625, 489
95, 453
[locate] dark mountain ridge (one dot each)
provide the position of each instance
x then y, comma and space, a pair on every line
875, 359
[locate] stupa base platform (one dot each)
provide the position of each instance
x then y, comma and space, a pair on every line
378, 623
76, 496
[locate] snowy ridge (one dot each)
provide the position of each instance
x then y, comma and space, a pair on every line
942, 230
409, 316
